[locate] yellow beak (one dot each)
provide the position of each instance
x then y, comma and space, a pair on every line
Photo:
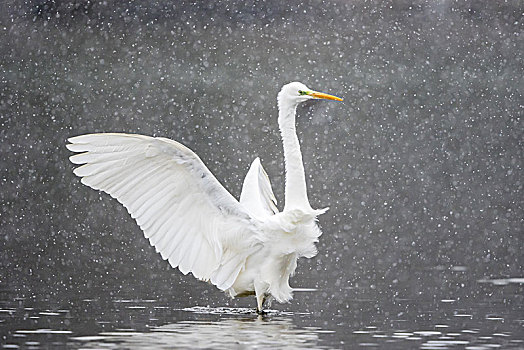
324, 96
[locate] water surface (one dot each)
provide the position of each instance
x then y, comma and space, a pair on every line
495, 319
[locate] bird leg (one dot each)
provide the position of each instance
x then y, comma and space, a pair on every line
261, 299
261, 294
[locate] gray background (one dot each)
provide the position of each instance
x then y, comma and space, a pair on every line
421, 164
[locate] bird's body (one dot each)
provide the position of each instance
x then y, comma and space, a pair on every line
284, 238
243, 247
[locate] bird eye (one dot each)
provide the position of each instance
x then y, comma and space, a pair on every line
301, 92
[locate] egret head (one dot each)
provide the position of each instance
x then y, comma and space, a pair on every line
295, 93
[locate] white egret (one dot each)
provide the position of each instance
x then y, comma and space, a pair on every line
243, 247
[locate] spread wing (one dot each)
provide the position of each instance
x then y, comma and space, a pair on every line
192, 221
257, 195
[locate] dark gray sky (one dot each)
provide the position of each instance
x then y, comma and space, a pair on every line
421, 165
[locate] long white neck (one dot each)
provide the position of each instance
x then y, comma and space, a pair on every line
296, 191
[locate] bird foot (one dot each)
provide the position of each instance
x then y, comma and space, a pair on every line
261, 312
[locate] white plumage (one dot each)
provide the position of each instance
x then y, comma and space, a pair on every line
245, 247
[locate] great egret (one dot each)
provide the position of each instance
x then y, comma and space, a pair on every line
243, 247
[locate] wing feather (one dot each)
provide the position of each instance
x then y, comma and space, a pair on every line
257, 195
186, 214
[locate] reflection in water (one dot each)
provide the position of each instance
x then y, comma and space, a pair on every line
249, 331
503, 281
153, 324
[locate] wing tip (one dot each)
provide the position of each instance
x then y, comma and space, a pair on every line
75, 159
78, 138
